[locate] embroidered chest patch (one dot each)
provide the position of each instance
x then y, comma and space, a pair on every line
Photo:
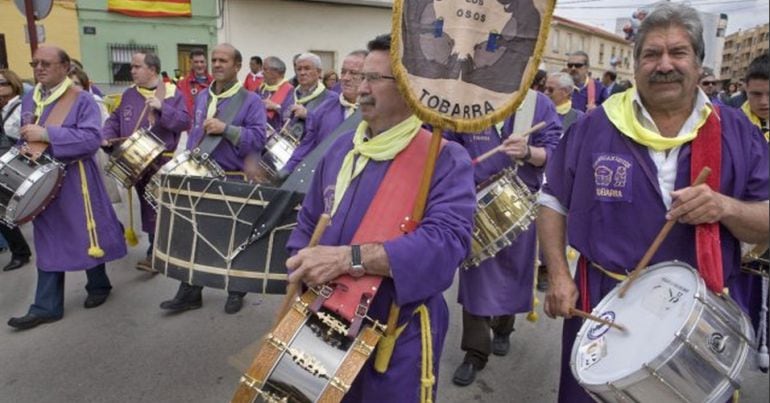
128, 113
612, 177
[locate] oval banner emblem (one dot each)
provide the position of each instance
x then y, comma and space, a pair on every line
466, 64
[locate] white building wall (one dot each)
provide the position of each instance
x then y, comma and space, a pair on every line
285, 28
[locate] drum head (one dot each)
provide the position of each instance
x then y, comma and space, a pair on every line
37, 190
653, 310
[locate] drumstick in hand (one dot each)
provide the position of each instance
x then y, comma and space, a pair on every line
586, 315
702, 176
293, 288
497, 149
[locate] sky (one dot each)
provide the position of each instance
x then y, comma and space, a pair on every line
741, 14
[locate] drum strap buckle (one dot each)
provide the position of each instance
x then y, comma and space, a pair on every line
324, 292
360, 315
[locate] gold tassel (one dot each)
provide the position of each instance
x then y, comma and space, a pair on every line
571, 254
129, 233
532, 315
94, 250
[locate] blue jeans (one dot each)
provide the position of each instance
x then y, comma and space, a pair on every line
49, 296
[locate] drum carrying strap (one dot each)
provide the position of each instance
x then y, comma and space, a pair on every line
209, 143
299, 180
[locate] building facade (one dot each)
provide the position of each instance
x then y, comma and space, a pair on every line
740, 49
606, 51
60, 27
109, 39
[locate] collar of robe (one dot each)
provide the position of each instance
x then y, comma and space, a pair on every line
56, 93
349, 106
148, 93
318, 90
382, 147
564, 108
214, 98
272, 88
620, 112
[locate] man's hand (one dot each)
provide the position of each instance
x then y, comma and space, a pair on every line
32, 133
590, 107
214, 126
154, 103
299, 111
515, 147
319, 265
271, 106
562, 294
697, 205
254, 171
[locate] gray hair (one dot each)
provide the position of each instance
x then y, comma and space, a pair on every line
151, 60
362, 53
564, 79
274, 63
312, 58
581, 53
673, 14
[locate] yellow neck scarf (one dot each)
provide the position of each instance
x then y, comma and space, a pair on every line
214, 98
755, 119
319, 88
148, 93
382, 147
272, 88
620, 111
350, 107
40, 103
564, 108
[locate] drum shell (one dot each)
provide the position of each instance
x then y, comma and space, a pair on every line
132, 157
278, 150
26, 185
692, 368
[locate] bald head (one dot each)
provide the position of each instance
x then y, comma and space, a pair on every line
50, 65
225, 63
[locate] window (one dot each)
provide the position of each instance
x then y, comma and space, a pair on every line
327, 59
583, 43
555, 41
120, 60
601, 53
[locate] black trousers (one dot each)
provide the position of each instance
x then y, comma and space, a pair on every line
477, 340
16, 242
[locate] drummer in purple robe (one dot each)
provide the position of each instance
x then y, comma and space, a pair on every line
493, 292
322, 121
416, 267
166, 119
589, 92
276, 92
559, 87
241, 139
78, 230
625, 168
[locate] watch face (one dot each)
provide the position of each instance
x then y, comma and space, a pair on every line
357, 270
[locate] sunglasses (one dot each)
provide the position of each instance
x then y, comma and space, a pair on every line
708, 83
42, 64
575, 65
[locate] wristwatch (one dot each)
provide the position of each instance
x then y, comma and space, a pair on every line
356, 266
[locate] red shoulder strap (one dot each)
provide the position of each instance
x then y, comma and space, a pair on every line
279, 96
591, 88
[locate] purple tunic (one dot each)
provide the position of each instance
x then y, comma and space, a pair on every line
250, 120
441, 242
61, 236
170, 122
280, 117
580, 97
319, 123
600, 211
503, 285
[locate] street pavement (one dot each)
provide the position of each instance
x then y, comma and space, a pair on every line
129, 350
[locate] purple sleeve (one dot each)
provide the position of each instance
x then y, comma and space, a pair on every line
756, 163
309, 140
252, 127
79, 138
562, 164
423, 262
111, 127
173, 114
601, 93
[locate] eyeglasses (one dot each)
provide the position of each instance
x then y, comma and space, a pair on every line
575, 65
704, 83
42, 64
373, 77
548, 90
353, 74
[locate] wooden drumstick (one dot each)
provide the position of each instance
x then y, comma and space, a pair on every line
293, 288
497, 149
586, 315
702, 176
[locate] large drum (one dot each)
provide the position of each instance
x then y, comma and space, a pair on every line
205, 229
504, 209
27, 185
278, 150
186, 164
308, 357
133, 156
682, 344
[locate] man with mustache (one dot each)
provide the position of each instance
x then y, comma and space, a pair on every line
630, 164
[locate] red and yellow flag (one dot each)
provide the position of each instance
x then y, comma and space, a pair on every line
151, 8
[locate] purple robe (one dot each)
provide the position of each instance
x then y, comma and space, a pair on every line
280, 117
580, 97
250, 120
171, 120
311, 106
61, 236
319, 123
422, 263
598, 223
503, 285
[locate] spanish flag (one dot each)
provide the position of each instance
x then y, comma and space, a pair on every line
151, 8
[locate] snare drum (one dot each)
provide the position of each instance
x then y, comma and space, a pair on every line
278, 150
184, 164
754, 259
27, 185
133, 156
683, 343
504, 209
